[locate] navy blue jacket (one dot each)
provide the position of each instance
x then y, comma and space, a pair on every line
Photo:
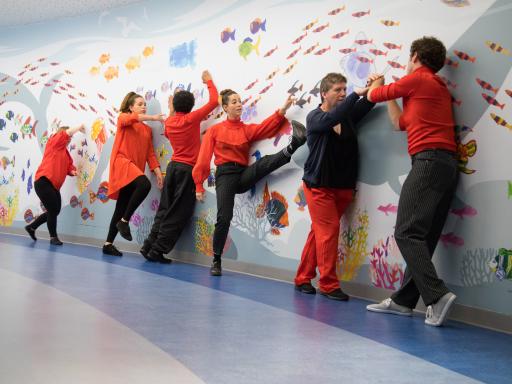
333, 159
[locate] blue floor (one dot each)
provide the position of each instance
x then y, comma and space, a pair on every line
244, 329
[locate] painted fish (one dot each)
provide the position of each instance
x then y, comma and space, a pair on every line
270, 52
5, 162
9, 115
451, 239
467, 210
101, 194
111, 72
227, 34
257, 25
85, 214
136, 219
339, 35
132, 63
29, 185
155, 204
275, 208
387, 209
361, 14
300, 199
501, 265
148, 51
492, 101
247, 47
28, 216
74, 202
390, 23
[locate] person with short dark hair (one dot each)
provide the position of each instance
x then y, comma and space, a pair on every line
51, 174
178, 197
133, 148
430, 186
329, 182
230, 142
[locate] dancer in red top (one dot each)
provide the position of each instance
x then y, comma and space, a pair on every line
133, 148
55, 166
430, 186
230, 142
178, 198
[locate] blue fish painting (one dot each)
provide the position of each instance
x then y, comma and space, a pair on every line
29, 185
183, 55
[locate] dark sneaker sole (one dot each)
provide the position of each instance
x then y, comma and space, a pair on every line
334, 297
306, 291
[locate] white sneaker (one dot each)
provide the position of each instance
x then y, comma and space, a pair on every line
437, 313
389, 306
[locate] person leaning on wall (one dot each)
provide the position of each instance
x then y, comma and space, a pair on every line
55, 166
133, 148
430, 186
178, 198
230, 141
330, 175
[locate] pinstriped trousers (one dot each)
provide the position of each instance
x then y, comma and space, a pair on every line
422, 211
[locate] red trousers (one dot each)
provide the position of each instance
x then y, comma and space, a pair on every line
326, 206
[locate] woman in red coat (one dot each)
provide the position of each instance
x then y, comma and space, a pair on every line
55, 166
133, 148
230, 142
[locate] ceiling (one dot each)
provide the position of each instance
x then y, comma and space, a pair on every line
21, 12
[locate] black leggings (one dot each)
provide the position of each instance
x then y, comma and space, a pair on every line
231, 179
50, 197
130, 197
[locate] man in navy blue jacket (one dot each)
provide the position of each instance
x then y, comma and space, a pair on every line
330, 175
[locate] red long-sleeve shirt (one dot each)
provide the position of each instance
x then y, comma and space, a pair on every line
183, 129
57, 162
133, 147
230, 141
427, 110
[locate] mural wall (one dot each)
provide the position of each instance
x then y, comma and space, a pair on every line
74, 71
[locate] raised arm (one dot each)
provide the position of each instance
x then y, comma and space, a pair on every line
199, 114
270, 126
324, 121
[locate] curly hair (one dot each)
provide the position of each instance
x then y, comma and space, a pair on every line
430, 51
183, 101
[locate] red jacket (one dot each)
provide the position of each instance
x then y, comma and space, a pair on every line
230, 141
427, 110
57, 162
183, 129
133, 147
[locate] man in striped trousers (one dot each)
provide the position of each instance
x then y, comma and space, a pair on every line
430, 186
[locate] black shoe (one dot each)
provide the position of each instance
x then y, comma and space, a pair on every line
337, 294
306, 288
145, 249
31, 232
298, 136
157, 257
110, 249
124, 229
216, 268
55, 241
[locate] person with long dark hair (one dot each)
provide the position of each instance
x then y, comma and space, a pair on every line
51, 174
230, 142
133, 148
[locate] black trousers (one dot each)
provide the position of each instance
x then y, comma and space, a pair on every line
422, 211
51, 199
130, 197
232, 178
176, 207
